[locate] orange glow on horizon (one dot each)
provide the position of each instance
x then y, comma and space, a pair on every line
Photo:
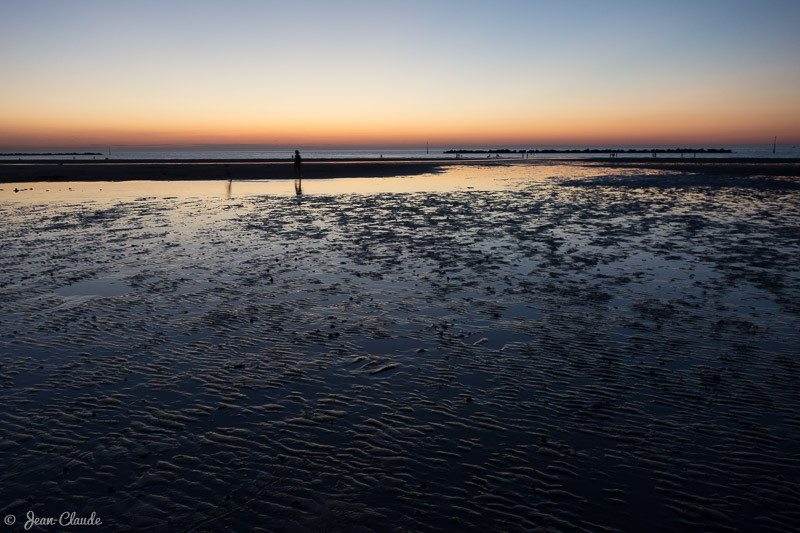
322, 123
378, 115
576, 128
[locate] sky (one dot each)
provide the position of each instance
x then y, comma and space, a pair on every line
88, 73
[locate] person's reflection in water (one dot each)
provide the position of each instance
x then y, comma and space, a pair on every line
298, 173
228, 189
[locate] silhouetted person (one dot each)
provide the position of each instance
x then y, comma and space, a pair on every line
298, 173
298, 165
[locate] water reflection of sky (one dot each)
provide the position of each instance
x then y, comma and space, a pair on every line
456, 178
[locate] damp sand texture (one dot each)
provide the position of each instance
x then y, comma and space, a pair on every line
610, 354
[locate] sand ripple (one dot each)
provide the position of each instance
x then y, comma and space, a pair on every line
558, 357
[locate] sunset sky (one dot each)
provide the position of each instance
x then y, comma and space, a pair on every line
376, 73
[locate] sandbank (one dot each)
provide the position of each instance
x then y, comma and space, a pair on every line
30, 171
22, 171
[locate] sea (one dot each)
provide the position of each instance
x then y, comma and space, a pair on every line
192, 152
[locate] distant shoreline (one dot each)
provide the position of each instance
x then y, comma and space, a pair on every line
597, 151
39, 154
226, 169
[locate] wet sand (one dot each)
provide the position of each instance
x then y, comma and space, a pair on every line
118, 170
567, 348
723, 166
32, 171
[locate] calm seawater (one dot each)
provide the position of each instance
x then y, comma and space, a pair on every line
782, 151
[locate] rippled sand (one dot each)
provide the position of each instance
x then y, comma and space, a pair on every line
519, 350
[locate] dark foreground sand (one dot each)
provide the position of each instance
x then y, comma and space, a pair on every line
611, 353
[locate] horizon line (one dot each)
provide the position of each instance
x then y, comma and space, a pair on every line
105, 147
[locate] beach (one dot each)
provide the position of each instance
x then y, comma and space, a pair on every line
61, 170
32, 171
407, 346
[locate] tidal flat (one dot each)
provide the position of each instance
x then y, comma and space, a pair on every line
563, 347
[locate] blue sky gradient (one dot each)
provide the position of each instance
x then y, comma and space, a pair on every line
361, 72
